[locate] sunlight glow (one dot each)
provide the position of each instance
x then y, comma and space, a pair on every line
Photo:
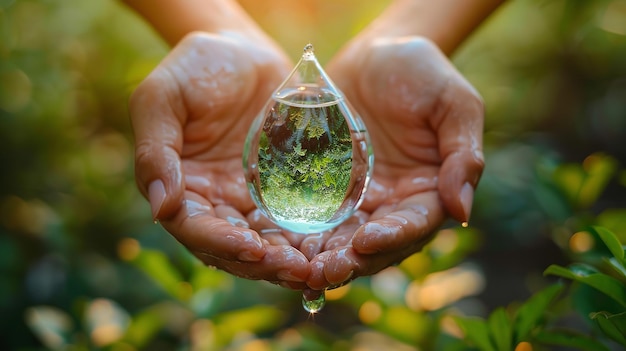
444, 288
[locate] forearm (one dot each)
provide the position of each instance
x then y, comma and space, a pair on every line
173, 19
445, 22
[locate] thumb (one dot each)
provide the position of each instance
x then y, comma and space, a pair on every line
458, 178
460, 131
158, 143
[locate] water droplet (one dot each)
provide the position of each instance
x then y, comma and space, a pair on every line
307, 156
315, 305
465, 224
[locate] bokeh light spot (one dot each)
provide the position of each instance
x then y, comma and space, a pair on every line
128, 249
202, 334
581, 242
336, 294
106, 320
445, 242
370, 312
450, 326
614, 18
524, 346
290, 338
444, 288
256, 345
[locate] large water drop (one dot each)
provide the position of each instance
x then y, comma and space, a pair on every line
307, 156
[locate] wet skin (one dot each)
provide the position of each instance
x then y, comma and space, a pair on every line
190, 118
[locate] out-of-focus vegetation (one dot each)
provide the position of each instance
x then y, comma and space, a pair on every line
82, 267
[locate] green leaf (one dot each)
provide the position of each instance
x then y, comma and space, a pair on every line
570, 179
613, 325
569, 339
157, 266
144, 326
477, 331
602, 282
204, 277
599, 169
617, 266
530, 313
254, 319
611, 241
405, 324
501, 330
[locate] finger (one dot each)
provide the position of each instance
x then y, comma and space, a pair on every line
411, 223
344, 233
317, 279
155, 115
274, 236
460, 132
310, 294
282, 264
198, 228
334, 268
231, 215
268, 229
341, 265
314, 243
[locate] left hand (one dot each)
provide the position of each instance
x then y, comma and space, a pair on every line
425, 122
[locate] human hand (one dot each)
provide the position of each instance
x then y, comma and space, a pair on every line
425, 121
190, 117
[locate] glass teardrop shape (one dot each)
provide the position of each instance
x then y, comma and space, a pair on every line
307, 156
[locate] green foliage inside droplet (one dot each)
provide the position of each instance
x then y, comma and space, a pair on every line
314, 306
305, 160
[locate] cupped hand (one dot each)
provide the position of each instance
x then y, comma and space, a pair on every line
190, 117
425, 121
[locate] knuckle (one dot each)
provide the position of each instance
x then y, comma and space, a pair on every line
144, 152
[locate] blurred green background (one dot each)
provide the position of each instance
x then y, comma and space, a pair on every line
82, 266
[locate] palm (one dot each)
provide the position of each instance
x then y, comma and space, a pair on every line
401, 90
200, 103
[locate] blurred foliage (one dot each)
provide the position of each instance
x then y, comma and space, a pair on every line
83, 268
532, 325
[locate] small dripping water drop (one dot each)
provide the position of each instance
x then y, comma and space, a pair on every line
315, 305
465, 224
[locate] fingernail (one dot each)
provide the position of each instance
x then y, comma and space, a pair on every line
467, 197
248, 257
156, 196
346, 279
287, 275
285, 285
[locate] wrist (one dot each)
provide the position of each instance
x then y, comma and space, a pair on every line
174, 19
445, 22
